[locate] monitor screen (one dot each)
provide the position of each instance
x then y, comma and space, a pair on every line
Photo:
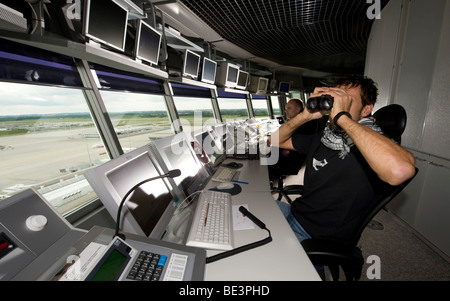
284, 87
106, 23
209, 71
232, 75
262, 85
176, 152
146, 210
242, 80
191, 64
148, 42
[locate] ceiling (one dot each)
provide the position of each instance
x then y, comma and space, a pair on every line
325, 36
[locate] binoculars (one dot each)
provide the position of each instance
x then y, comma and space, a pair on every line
321, 103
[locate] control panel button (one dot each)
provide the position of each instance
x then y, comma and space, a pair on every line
36, 222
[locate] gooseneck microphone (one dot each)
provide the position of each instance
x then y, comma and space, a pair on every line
171, 174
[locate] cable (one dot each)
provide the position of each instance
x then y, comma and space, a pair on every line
181, 208
260, 224
240, 249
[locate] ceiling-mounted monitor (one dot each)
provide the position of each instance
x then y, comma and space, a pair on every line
209, 69
258, 85
242, 81
191, 64
105, 23
227, 75
284, 87
148, 42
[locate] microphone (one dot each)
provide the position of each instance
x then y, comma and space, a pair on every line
250, 246
253, 218
171, 174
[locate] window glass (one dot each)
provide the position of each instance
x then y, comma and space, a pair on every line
233, 109
275, 105
137, 118
260, 107
194, 112
47, 140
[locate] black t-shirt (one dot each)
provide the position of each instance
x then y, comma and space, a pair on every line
337, 192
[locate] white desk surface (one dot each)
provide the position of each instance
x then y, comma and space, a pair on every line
283, 259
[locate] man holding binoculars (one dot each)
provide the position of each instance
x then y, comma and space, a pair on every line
342, 160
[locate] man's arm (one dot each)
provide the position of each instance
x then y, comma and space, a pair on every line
392, 163
282, 137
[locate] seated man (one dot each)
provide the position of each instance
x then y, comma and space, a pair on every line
293, 108
289, 162
342, 162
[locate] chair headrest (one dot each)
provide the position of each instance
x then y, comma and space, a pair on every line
392, 120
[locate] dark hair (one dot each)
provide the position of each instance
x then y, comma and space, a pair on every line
369, 89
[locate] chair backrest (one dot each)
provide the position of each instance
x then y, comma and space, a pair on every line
392, 120
383, 195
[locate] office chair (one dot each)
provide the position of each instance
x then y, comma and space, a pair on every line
289, 163
347, 254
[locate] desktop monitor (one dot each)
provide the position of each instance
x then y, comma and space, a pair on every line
176, 152
148, 42
105, 22
258, 85
212, 145
227, 75
191, 64
150, 207
284, 87
209, 69
242, 80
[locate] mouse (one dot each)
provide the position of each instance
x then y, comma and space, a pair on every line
233, 164
225, 185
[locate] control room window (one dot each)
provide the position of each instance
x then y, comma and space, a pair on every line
194, 112
233, 109
260, 107
275, 105
46, 142
137, 118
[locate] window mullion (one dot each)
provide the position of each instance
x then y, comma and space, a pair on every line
98, 110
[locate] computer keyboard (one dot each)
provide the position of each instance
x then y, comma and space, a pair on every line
212, 226
224, 174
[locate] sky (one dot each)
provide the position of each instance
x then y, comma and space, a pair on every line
22, 99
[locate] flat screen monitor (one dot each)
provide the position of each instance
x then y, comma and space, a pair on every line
232, 76
149, 208
191, 64
217, 144
105, 22
148, 42
242, 80
284, 87
209, 69
176, 152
